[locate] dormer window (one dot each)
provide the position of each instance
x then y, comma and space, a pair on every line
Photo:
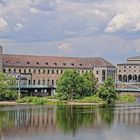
18, 62
64, 64
28, 63
46, 63
72, 64
37, 63
55, 63
80, 64
7, 62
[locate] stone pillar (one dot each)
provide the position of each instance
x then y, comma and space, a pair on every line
1, 52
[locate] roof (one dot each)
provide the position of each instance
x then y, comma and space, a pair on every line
135, 58
10, 60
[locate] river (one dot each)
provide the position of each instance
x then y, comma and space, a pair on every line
121, 122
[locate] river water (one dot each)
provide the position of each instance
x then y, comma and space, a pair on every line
70, 122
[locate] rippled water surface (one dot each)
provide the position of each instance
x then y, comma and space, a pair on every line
70, 122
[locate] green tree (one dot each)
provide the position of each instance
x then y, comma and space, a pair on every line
5, 83
90, 84
69, 85
107, 91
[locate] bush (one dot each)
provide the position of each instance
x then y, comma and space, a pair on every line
91, 99
126, 99
33, 100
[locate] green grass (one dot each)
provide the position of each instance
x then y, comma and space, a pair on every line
91, 99
33, 100
126, 99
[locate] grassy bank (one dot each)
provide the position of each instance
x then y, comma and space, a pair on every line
91, 100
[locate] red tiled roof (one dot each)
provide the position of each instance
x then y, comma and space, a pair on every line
52, 61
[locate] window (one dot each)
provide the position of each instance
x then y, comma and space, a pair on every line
48, 71
55, 63
43, 71
29, 82
57, 71
37, 63
46, 63
14, 70
97, 72
39, 71
129, 66
19, 70
52, 82
34, 71
64, 64
124, 66
33, 82
29, 70
24, 70
61, 71
7, 62
38, 82
52, 71
18, 62
72, 64
4, 70
80, 64
28, 63
9, 70
43, 82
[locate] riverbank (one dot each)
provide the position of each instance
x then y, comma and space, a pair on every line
8, 103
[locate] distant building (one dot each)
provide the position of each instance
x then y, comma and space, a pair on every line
45, 70
129, 71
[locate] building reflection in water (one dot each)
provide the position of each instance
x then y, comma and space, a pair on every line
69, 119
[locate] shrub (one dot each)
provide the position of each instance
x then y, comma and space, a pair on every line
91, 99
126, 99
33, 100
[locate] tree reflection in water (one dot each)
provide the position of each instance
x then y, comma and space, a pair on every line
71, 118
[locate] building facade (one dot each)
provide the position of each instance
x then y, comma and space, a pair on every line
129, 71
45, 70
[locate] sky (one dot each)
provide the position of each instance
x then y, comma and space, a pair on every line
76, 28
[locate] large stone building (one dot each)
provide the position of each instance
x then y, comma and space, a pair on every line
45, 70
129, 71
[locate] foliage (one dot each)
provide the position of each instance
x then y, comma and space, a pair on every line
90, 82
91, 99
71, 85
126, 99
107, 91
71, 118
5, 92
33, 100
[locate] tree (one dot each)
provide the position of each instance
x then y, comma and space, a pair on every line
71, 85
5, 83
68, 86
90, 83
107, 91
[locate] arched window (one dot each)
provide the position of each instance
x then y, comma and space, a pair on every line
103, 75
33, 82
120, 78
130, 78
139, 78
124, 78
135, 78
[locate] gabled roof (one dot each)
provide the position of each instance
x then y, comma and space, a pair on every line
53, 61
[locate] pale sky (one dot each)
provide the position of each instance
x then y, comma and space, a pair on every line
79, 28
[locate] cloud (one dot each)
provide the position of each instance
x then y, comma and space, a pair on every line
3, 24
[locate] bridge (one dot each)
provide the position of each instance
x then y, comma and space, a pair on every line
128, 89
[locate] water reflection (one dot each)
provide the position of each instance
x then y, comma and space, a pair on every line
64, 120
